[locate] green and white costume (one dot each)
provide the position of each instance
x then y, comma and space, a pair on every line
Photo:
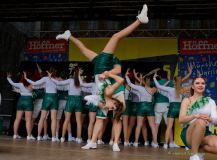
145, 106
175, 101
50, 98
74, 103
204, 105
25, 102
105, 62
38, 95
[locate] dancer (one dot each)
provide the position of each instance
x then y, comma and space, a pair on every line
197, 114
106, 61
24, 105
38, 95
91, 89
161, 107
105, 103
175, 97
144, 109
73, 104
126, 114
49, 103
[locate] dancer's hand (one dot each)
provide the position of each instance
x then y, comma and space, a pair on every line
190, 68
24, 75
9, 74
135, 73
205, 117
127, 72
155, 75
49, 74
101, 77
80, 71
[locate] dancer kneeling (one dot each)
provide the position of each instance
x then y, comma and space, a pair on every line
197, 114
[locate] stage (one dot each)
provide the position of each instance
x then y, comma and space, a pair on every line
46, 150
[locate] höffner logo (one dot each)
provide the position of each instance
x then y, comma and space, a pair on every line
199, 45
45, 44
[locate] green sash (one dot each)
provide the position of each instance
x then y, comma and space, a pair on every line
200, 103
102, 88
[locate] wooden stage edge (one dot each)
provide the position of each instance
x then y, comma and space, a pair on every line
46, 150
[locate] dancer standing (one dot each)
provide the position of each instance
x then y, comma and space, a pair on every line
49, 103
24, 105
73, 104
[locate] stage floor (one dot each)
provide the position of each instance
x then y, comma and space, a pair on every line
46, 150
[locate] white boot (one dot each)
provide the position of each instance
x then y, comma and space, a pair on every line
65, 35
142, 17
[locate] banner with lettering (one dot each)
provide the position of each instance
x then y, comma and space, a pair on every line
198, 46
39, 50
205, 64
202, 54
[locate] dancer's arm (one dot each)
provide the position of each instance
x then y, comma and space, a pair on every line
187, 76
213, 112
133, 86
139, 79
17, 85
39, 82
118, 81
38, 68
183, 118
161, 87
83, 84
61, 83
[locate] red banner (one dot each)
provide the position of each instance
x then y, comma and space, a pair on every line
198, 46
46, 46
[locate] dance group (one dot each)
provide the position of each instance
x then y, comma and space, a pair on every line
125, 102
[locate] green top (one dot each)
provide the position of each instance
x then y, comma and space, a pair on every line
158, 97
102, 88
105, 62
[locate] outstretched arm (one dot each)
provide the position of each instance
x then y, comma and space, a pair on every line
39, 82
187, 76
17, 85
161, 87
139, 79
83, 84
133, 86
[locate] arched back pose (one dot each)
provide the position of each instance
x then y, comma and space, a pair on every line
24, 105
106, 61
197, 114
105, 103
